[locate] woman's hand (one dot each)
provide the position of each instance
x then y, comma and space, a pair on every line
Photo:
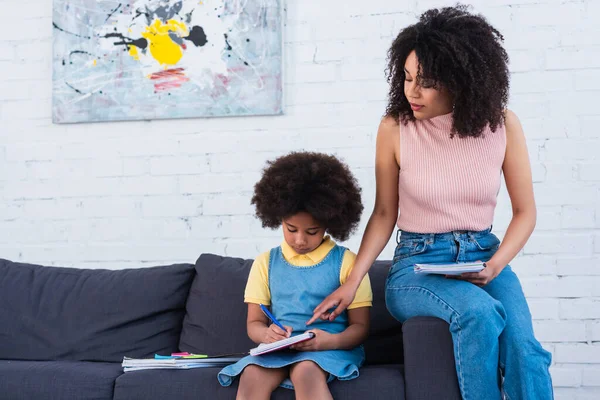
273, 333
341, 298
483, 277
322, 341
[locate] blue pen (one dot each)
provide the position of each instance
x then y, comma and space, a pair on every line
265, 310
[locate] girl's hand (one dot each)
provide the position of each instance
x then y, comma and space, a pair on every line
274, 333
322, 341
341, 298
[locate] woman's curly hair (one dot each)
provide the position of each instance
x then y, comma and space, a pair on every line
316, 183
461, 52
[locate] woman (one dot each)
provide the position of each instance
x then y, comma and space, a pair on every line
441, 150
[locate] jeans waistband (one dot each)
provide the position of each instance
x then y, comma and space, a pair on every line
404, 235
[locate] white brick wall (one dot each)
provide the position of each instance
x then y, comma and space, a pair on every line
118, 195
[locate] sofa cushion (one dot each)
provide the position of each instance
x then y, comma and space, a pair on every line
26, 380
381, 382
52, 313
215, 320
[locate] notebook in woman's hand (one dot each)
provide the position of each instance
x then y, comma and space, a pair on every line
449, 269
265, 348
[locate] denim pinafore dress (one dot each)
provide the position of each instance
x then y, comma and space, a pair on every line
295, 292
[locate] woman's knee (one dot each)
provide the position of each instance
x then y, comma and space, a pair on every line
307, 372
405, 303
486, 310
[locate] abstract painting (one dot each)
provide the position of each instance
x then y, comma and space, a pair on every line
154, 59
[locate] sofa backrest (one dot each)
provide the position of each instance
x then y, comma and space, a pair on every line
52, 313
215, 320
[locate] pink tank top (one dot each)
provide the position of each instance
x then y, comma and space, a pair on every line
448, 184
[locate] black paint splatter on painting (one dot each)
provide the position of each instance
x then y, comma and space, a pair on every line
75, 52
140, 43
79, 52
75, 89
138, 13
113, 12
70, 33
227, 43
197, 36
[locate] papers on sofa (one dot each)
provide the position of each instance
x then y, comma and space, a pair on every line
189, 361
175, 362
449, 269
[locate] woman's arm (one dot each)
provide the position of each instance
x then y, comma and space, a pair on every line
517, 174
355, 334
380, 225
258, 329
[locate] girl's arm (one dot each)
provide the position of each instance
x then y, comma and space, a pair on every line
258, 327
517, 174
357, 331
380, 225
355, 334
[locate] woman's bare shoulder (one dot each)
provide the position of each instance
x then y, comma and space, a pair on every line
388, 122
388, 138
512, 124
388, 128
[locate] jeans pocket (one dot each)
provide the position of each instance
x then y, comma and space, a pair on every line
409, 248
488, 242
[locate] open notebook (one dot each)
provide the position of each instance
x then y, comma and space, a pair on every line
449, 269
264, 348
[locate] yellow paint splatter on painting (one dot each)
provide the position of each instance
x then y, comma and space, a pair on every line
133, 52
95, 62
162, 47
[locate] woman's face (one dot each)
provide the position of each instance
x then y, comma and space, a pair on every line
425, 101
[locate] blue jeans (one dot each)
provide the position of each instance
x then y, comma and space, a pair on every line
491, 326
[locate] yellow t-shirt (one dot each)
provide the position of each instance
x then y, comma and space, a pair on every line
257, 288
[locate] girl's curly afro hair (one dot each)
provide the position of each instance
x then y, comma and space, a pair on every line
461, 52
316, 183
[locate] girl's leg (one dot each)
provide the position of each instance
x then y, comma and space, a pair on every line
258, 383
310, 381
524, 361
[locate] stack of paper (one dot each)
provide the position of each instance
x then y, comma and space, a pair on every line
449, 269
176, 362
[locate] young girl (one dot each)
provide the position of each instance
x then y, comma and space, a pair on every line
441, 151
308, 195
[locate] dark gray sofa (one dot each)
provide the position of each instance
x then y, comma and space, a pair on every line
64, 332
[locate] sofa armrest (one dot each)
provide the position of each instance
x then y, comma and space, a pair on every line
429, 369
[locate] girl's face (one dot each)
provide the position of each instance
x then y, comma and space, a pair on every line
302, 232
425, 101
